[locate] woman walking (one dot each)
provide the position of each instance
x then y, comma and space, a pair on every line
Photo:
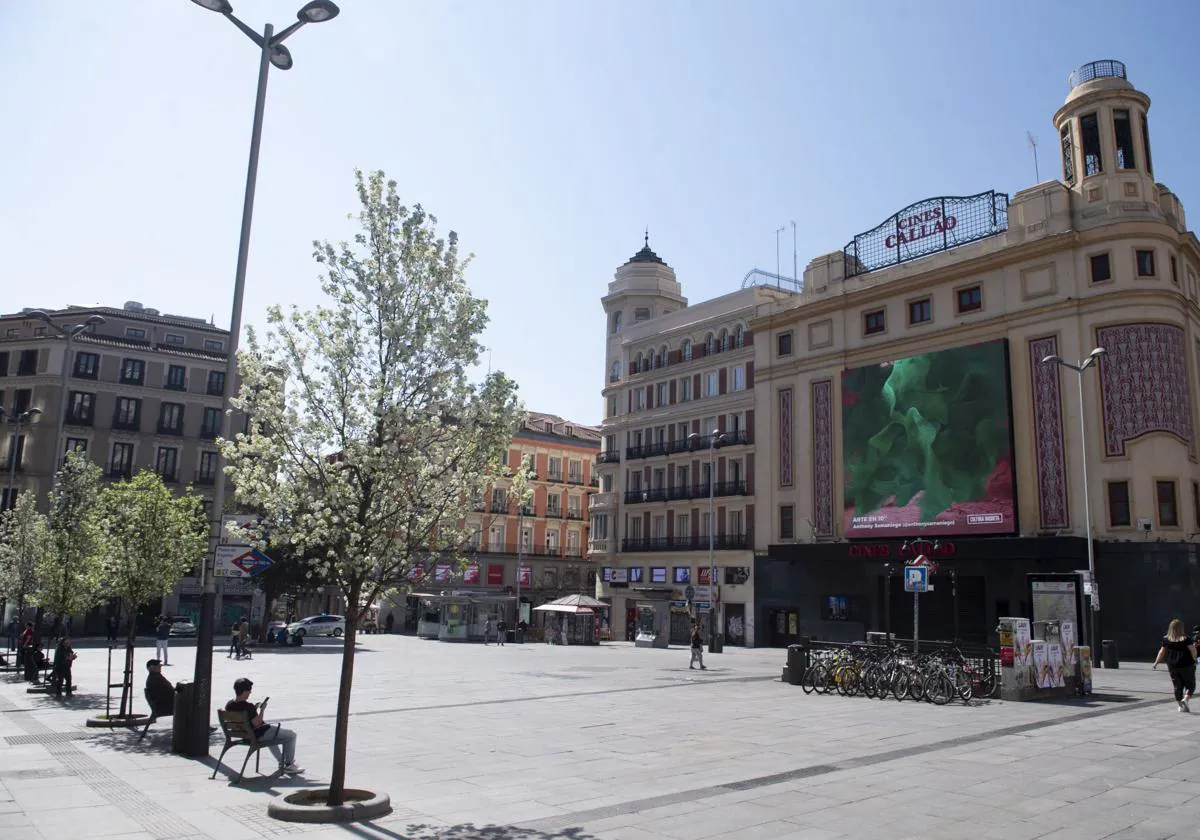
1178, 651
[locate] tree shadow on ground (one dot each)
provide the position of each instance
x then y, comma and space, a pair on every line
463, 831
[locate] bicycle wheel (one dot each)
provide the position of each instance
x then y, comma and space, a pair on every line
900, 681
809, 681
938, 688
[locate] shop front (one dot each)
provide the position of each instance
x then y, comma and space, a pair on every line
839, 591
460, 616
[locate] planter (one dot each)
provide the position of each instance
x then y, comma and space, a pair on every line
308, 806
114, 721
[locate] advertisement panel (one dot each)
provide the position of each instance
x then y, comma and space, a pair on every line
927, 445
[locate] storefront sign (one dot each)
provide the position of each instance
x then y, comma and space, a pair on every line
929, 226
525, 575
441, 573
904, 551
471, 574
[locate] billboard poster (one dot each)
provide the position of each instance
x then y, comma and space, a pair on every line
927, 445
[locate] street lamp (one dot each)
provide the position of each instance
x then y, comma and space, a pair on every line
68, 334
1079, 368
715, 439
17, 420
272, 52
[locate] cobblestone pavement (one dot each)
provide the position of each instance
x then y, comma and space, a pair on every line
532, 742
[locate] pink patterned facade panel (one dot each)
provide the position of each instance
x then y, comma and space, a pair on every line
785, 438
1048, 445
1144, 384
822, 449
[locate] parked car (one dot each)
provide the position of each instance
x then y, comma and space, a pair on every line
318, 625
182, 627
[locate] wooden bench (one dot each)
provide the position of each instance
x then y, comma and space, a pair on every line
239, 733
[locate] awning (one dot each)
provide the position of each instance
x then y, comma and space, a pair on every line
564, 608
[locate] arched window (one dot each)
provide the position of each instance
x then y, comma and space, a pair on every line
653, 359
724, 340
739, 337
637, 362
616, 328
710, 344
662, 356
645, 363
686, 349
615, 374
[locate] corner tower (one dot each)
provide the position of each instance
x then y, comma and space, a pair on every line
1104, 145
643, 288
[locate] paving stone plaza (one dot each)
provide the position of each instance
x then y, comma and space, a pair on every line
532, 742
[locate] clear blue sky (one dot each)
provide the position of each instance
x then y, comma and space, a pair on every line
547, 133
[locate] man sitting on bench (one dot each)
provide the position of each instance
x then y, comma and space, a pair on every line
162, 693
270, 735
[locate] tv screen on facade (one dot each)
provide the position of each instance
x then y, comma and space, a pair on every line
927, 445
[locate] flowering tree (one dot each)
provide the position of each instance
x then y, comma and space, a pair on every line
24, 540
150, 538
70, 574
367, 436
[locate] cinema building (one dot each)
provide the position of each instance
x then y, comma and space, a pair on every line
906, 407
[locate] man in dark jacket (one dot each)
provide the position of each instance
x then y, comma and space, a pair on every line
162, 693
162, 635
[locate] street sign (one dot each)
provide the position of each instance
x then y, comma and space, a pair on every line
916, 578
238, 561
702, 605
239, 521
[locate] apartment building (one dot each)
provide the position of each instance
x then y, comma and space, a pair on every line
677, 467
135, 388
912, 402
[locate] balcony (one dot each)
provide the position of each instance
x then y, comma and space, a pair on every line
126, 424
525, 550
166, 429
602, 501
555, 476
175, 385
594, 482
722, 542
600, 545
168, 476
205, 479
554, 514
118, 471
575, 479
211, 434
738, 437
79, 418
498, 507
691, 491
574, 514
613, 457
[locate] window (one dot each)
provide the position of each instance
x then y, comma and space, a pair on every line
1196, 503
710, 383
1099, 267
22, 397
555, 470
174, 338
135, 332
77, 444
614, 374
685, 389
682, 574
787, 522
8, 498
121, 465
1145, 263
705, 523
1146, 143
659, 528
11, 332
641, 313
575, 472
1168, 512
612, 406
128, 416
499, 500
724, 338
208, 468
1068, 154
835, 608
4, 363
16, 447
216, 383
663, 395
81, 408
639, 399
616, 322
970, 299
573, 507
658, 574
1089, 135
1174, 271
87, 365
736, 523
170, 419
214, 344
27, 364
920, 311
710, 344
210, 427
166, 463
783, 344
133, 371
681, 476
874, 322
683, 525
685, 350
1118, 504
739, 377
1123, 134
176, 378
739, 336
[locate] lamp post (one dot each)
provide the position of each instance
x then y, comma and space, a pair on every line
1092, 358
272, 52
67, 334
715, 439
17, 421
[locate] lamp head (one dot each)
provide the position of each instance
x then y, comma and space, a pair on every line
41, 315
318, 11
1097, 353
219, 6
281, 57
94, 320
33, 412
1052, 360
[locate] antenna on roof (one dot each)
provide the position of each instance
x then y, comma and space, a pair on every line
1033, 146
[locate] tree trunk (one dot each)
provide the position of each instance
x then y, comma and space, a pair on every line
127, 673
337, 782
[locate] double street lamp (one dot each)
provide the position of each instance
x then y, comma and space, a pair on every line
1079, 368
68, 334
15, 449
272, 53
715, 438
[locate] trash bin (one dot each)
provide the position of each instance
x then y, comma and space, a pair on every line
1108, 653
518, 636
797, 664
181, 723
717, 644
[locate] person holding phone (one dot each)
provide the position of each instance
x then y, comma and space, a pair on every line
271, 735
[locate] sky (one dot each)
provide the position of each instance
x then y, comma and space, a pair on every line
548, 133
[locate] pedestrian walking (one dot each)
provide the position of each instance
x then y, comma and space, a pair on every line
1178, 651
162, 634
112, 628
60, 677
235, 633
501, 632
387, 625
697, 648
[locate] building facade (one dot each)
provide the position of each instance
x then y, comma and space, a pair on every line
678, 378
136, 390
535, 553
910, 408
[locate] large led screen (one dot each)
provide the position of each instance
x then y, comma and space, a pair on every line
927, 445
